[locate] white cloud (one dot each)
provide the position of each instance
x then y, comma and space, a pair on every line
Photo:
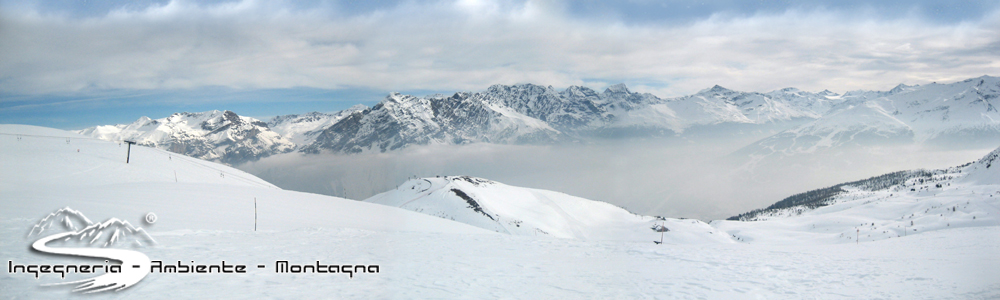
469, 45
675, 178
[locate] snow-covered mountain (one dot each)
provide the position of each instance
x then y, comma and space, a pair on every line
960, 114
215, 135
402, 120
850, 124
528, 113
887, 206
503, 114
304, 128
721, 105
532, 212
957, 114
204, 218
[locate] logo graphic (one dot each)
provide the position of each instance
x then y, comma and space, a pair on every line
69, 232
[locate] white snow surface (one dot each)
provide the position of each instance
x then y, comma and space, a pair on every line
210, 135
206, 214
302, 129
42, 174
961, 115
533, 212
720, 105
966, 111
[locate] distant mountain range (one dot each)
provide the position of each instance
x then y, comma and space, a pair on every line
945, 114
214, 135
954, 115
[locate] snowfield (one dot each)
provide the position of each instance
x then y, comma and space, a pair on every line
532, 212
206, 214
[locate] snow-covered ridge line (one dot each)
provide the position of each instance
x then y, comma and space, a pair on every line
532, 212
185, 194
949, 114
518, 114
221, 136
206, 218
894, 183
961, 115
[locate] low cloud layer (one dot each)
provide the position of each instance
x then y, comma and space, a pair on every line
672, 178
469, 45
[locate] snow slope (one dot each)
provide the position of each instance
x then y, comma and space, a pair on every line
302, 129
960, 115
205, 215
522, 211
971, 106
43, 172
884, 207
848, 125
721, 105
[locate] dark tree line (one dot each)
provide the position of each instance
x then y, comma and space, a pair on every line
822, 197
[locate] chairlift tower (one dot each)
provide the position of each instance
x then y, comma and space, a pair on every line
129, 154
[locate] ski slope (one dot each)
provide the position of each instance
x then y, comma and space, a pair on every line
532, 212
206, 215
43, 172
957, 197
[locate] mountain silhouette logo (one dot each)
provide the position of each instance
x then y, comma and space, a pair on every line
68, 232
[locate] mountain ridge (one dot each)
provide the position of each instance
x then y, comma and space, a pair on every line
983, 171
522, 211
214, 135
960, 114
804, 122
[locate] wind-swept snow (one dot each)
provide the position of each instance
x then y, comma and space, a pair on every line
206, 215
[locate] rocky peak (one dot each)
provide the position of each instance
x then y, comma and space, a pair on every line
617, 89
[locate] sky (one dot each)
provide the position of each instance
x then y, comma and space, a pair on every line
72, 64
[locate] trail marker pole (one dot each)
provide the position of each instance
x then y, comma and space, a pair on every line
129, 154
661, 236
254, 214
661, 229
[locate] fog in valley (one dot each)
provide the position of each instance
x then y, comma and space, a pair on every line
668, 177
